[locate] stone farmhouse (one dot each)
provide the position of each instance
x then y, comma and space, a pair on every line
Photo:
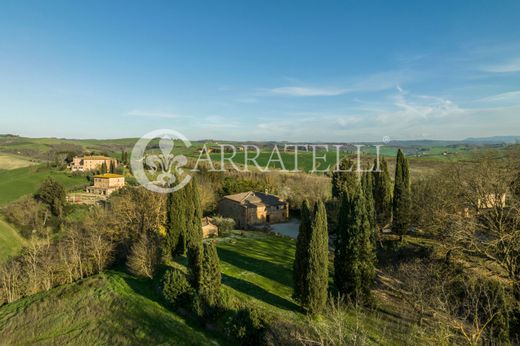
253, 209
105, 184
91, 163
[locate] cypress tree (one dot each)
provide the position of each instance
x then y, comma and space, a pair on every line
354, 257
344, 182
194, 235
368, 191
177, 212
382, 195
211, 277
302, 251
315, 285
402, 196
103, 168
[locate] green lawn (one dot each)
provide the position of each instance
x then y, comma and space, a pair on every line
257, 267
10, 241
18, 182
107, 309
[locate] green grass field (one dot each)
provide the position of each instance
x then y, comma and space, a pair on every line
10, 241
18, 182
257, 267
107, 309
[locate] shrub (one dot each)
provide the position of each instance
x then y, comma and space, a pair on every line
224, 224
175, 287
248, 326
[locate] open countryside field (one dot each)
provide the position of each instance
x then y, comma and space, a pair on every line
21, 181
13, 162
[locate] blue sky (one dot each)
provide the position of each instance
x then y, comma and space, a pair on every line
261, 70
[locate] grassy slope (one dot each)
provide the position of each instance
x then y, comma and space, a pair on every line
106, 309
258, 268
18, 182
10, 241
115, 308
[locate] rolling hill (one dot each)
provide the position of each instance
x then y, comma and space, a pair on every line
112, 308
26, 180
10, 241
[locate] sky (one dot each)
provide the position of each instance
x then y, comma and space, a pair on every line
260, 70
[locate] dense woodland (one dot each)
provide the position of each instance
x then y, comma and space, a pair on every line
354, 238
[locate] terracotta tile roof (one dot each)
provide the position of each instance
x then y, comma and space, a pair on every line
97, 157
255, 198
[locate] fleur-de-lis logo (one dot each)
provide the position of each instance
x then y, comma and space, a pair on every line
160, 172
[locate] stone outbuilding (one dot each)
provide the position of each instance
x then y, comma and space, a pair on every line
253, 209
209, 229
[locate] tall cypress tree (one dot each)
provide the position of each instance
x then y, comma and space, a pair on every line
344, 182
315, 285
382, 195
402, 196
302, 251
354, 256
194, 235
177, 213
368, 191
211, 277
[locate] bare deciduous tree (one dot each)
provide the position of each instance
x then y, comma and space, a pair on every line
144, 255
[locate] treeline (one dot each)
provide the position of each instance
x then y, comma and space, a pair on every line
62, 250
466, 209
364, 206
293, 187
473, 209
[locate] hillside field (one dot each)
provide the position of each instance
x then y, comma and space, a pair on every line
10, 241
21, 181
112, 308
13, 162
116, 308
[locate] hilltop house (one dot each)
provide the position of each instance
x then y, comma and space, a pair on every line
105, 184
91, 163
254, 208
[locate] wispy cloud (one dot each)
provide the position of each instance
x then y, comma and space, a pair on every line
153, 114
308, 91
374, 82
410, 108
509, 66
507, 96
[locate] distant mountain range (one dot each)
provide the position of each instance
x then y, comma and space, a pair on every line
494, 140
